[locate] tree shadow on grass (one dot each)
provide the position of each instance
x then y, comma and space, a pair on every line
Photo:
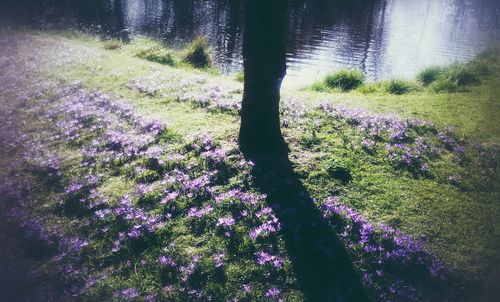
322, 265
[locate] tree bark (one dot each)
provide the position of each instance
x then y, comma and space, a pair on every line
264, 60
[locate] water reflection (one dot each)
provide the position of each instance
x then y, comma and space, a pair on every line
384, 38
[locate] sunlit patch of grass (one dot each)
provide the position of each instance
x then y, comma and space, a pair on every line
367, 88
473, 113
239, 76
113, 72
317, 86
153, 51
77, 35
116, 186
113, 44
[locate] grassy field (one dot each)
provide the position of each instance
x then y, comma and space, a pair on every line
391, 158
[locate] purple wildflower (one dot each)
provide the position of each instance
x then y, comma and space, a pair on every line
219, 259
167, 261
226, 221
272, 292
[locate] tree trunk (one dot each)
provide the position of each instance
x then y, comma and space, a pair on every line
264, 61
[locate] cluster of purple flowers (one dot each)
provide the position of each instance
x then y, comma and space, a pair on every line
292, 112
132, 139
167, 261
226, 221
410, 156
219, 259
135, 221
263, 258
200, 212
189, 190
270, 225
154, 84
450, 141
214, 98
409, 143
395, 264
127, 294
115, 131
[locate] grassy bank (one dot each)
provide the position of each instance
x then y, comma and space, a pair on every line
384, 163
459, 95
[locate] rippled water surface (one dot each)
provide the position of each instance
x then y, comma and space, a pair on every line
384, 38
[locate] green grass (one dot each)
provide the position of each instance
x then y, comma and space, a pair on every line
460, 222
370, 88
345, 80
110, 72
158, 55
239, 76
113, 44
454, 78
197, 53
429, 75
399, 87
471, 109
449, 217
154, 52
473, 114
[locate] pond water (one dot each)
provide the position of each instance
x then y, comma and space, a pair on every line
383, 38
